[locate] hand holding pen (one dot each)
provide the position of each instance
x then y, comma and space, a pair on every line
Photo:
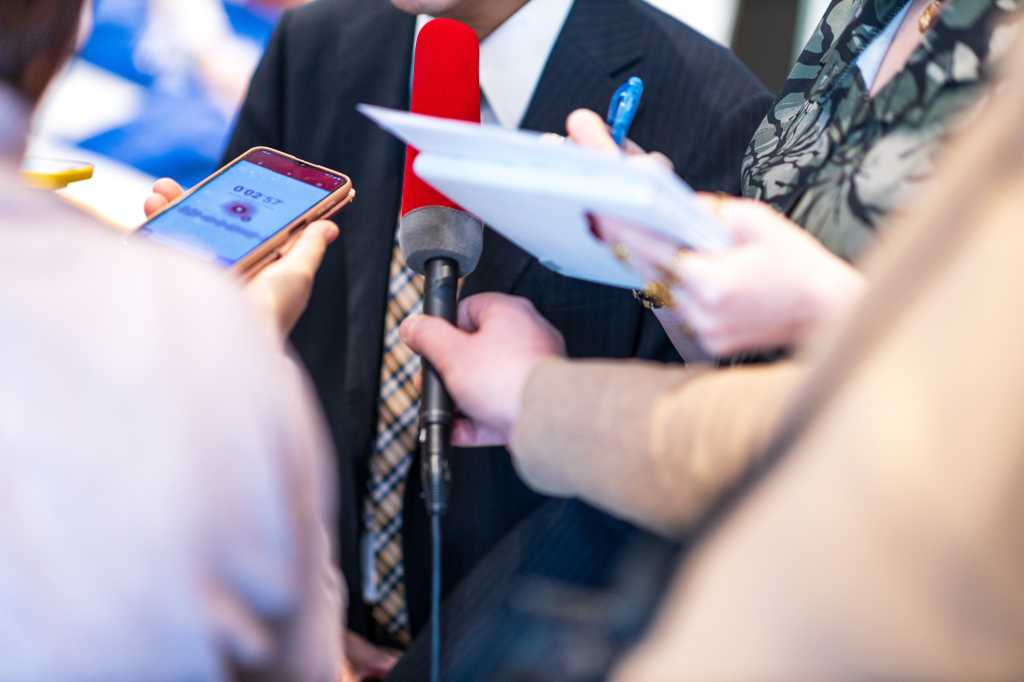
762, 293
587, 129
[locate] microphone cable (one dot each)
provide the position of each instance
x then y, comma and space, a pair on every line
435, 597
440, 294
443, 243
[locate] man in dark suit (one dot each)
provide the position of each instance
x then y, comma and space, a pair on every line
540, 60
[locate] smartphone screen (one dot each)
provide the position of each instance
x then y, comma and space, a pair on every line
248, 203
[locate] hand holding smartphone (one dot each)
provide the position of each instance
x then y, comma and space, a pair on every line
244, 213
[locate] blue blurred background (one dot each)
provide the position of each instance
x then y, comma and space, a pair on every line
181, 130
158, 82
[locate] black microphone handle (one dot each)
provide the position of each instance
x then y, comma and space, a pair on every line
437, 411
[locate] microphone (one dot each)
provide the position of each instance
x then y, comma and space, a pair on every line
442, 242
438, 239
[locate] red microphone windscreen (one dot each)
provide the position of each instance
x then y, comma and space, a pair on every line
445, 83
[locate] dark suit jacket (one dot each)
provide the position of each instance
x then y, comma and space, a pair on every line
700, 109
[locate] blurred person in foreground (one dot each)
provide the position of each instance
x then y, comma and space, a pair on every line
879, 535
166, 480
540, 60
886, 517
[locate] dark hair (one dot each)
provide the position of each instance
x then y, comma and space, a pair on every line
36, 36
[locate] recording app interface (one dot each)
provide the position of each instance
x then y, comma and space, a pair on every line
243, 207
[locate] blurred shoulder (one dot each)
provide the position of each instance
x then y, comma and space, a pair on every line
336, 19
98, 283
322, 13
145, 376
142, 328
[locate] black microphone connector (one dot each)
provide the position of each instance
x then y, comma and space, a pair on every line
442, 244
437, 414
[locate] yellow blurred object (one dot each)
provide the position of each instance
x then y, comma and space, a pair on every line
54, 174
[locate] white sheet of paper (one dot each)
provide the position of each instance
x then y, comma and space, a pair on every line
537, 192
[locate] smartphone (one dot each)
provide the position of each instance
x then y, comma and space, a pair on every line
241, 215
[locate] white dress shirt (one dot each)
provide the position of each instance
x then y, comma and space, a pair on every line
513, 57
870, 60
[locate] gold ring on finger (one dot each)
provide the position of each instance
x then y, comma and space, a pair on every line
656, 295
621, 253
720, 200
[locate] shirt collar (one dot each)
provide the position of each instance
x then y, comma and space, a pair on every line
512, 59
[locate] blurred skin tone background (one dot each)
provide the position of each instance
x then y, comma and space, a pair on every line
173, 74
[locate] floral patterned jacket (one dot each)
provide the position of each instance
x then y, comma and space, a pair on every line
836, 160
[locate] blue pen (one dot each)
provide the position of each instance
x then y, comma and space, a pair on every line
623, 108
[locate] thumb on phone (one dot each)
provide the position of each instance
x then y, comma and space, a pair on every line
164, 192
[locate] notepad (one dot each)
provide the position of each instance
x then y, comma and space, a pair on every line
537, 192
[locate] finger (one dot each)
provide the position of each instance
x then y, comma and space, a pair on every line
725, 345
695, 318
637, 155
154, 204
469, 434
632, 148
717, 334
594, 223
377, 664
307, 252
659, 159
613, 233
588, 129
712, 202
476, 310
700, 275
642, 250
331, 235
367, 660
745, 220
722, 207
346, 673
287, 246
168, 189
655, 160
435, 339
643, 241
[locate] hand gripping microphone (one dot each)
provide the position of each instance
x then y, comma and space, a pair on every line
438, 239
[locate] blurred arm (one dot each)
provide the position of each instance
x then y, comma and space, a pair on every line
314, 642
886, 542
263, 457
646, 442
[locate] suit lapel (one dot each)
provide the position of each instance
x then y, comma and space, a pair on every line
601, 39
600, 42
373, 66
376, 60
